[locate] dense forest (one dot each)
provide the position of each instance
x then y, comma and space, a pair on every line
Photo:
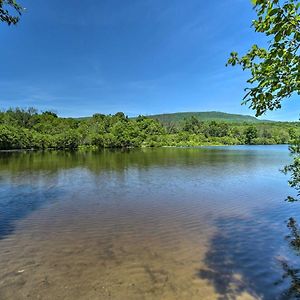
29, 129
205, 116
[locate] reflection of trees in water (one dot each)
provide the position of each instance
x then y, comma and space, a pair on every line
242, 257
234, 268
291, 273
120, 160
293, 169
294, 237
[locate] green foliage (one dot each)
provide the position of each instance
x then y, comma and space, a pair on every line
250, 135
275, 76
294, 168
291, 272
179, 118
275, 71
6, 8
28, 129
215, 129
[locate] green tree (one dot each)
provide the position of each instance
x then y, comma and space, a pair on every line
275, 76
217, 129
191, 124
22, 117
6, 8
27, 128
275, 71
250, 135
294, 170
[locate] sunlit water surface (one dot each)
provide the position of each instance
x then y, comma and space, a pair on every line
171, 223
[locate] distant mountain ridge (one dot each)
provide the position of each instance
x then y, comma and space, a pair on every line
205, 116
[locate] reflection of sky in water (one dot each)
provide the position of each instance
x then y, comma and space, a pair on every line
235, 194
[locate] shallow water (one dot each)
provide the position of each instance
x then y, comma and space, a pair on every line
170, 223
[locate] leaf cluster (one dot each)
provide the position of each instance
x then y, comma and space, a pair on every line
10, 11
275, 70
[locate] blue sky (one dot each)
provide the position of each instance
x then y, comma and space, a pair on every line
137, 56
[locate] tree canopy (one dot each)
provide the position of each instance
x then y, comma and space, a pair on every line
29, 129
275, 70
275, 76
10, 11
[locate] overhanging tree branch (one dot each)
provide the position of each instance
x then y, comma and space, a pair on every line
10, 11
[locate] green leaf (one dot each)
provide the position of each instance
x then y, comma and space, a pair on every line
278, 37
273, 12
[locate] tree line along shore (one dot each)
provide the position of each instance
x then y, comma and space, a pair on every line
30, 129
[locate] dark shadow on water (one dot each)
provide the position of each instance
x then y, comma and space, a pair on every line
291, 271
292, 274
20, 202
250, 255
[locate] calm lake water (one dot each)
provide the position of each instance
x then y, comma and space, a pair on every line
170, 223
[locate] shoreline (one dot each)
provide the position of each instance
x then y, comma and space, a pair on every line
128, 148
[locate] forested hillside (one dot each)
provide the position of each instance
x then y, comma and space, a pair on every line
29, 129
177, 118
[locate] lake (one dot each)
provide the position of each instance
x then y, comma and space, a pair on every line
166, 223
